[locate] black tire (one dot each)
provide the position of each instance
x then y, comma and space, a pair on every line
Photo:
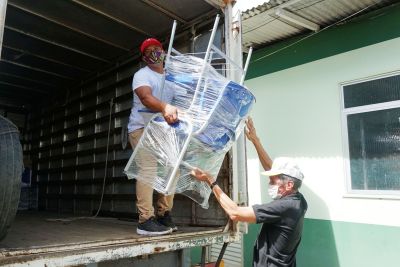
10, 173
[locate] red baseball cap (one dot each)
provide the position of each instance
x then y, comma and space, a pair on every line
148, 42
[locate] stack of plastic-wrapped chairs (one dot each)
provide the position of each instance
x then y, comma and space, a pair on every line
212, 112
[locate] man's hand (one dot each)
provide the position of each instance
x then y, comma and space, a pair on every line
170, 113
251, 134
202, 176
251, 130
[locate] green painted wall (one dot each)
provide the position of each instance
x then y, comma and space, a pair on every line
374, 27
195, 255
340, 244
335, 244
248, 243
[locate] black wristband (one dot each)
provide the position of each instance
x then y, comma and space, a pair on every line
213, 184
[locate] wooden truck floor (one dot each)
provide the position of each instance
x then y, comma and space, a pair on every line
40, 239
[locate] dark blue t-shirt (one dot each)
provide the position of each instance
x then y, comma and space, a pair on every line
280, 234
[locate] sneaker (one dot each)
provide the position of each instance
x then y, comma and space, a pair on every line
152, 227
166, 220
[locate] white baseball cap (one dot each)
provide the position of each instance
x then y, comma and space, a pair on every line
283, 165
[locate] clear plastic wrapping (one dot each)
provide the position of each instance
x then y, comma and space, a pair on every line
212, 110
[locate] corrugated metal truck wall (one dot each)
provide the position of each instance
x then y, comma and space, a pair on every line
70, 142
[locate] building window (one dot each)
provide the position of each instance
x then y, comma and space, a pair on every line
371, 125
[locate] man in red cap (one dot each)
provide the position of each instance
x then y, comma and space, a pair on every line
149, 98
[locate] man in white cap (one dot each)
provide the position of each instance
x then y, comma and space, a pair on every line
282, 219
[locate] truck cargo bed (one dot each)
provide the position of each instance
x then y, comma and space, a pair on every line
46, 239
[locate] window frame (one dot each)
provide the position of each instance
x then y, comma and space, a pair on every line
358, 193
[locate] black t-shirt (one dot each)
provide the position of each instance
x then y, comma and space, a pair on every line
280, 234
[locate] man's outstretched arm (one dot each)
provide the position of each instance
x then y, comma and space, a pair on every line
169, 112
251, 134
236, 213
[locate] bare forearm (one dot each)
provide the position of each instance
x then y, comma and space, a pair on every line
229, 206
153, 103
236, 213
265, 159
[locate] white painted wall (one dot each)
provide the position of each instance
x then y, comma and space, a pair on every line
298, 114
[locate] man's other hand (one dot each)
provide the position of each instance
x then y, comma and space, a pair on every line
250, 130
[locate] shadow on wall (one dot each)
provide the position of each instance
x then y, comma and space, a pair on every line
318, 245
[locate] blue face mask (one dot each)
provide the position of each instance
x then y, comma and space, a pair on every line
154, 57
